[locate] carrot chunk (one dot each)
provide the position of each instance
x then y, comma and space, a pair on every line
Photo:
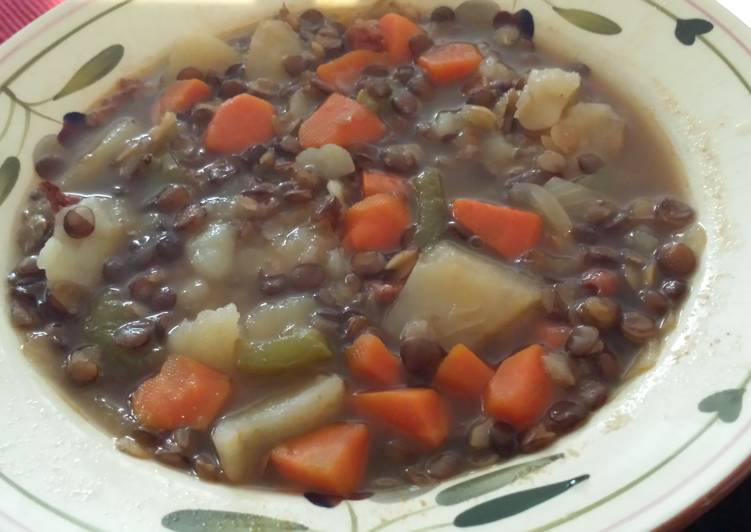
180, 96
397, 31
331, 460
340, 120
419, 413
239, 123
369, 359
463, 373
509, 231
376, 223
521, 389
344, 71
380, 183
447, 63
185, 393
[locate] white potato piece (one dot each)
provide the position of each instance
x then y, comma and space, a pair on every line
209, 338
243, 438
80, 260
493, 70
93, 163
211, 252
270, 320
545, 96
590, 128
329, 161
497, 154
201, 51
466, 298
272, 41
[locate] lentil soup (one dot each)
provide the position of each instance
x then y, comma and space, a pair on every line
349, 253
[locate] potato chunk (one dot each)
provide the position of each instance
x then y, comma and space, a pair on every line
270, 320
201, 51
80, 261
329, 161
243, 438
465, 297
211, 252
210, 338
590, 128
545, 96
272, 41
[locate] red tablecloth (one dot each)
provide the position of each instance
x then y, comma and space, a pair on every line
15, 14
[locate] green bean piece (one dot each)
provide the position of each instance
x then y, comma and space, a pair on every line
432, 211
301, 347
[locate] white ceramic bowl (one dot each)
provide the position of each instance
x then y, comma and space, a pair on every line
665, 448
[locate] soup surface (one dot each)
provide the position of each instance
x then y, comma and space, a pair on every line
340, 254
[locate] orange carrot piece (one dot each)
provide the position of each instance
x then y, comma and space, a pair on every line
376, 223
344, 71
447, 63
370, 359
419, 413
552, 335
397, 31
330, 460
521, 389
463, 373
180, 96
509, 231
239, 123
380, 183
340, 120
185, 393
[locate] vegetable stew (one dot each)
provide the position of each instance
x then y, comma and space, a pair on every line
345, 253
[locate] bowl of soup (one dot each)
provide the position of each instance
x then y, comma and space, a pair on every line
372, 265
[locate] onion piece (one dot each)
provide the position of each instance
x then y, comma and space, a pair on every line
575, 199
694, 237
557, 366
543, 203
641, 240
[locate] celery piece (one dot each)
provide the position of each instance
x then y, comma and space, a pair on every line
293, 350
432, 211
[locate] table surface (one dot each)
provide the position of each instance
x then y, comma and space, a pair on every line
731, 514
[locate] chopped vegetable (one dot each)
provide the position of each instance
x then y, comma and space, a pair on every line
239, 123
328, 162
180, 96
463, 373
106, 314
369, 359
344, 71
575, 199
291, 351
509, 231
374, 182
271, 320
376, 223
448, 63
465, 297
200, 51
432, 211
521, 388
544, 97
330, 460
211, 252
419, 413
210, 338
497, 154
590, 128
342, 121
185, 393
243, 438
272, 41
397, 31
544, 203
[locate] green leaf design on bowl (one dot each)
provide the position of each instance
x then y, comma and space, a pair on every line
492, 481
95, 69
513, 503
8, 176
687, 30
210, 520
589, 21
727, 404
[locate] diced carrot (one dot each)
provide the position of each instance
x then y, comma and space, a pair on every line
463, 373
521, 389
552, 335
509, 231
447, 63
380, 183
344, 71
180, 96
330, 460
419, 413
340, 120
185, 393
371, 360
398, 30
376, 223
239, 123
